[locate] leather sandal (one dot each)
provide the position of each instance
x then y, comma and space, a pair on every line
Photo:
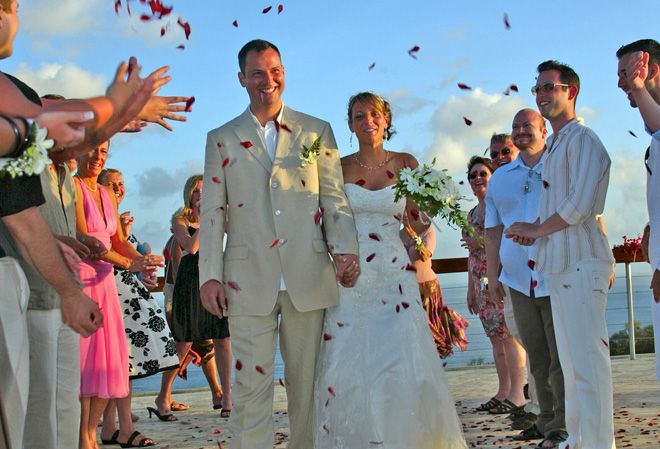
555, 437
143, 443
112, 440
533, 433
492, 402
506, 407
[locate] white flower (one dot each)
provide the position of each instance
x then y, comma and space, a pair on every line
35, 157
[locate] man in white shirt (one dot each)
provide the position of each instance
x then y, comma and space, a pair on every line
514, 192
639, 77
574, 253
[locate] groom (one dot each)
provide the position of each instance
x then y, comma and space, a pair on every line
275, 263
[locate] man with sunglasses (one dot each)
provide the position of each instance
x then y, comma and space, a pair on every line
574, 254
513, 195
502, 149
639, 78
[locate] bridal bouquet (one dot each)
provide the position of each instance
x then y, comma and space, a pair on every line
434, 192
34, 159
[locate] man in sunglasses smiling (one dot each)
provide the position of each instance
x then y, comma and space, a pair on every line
502, 150
574, 254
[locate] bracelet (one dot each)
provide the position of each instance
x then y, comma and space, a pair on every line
17, 139
28, 126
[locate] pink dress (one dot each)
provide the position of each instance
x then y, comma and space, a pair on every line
104, 355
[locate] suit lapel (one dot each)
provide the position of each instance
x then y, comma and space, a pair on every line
246, 131
286, 139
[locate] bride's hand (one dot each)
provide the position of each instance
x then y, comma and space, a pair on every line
348, 269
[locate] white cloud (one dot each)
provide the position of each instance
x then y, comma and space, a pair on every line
587, 113
63, 18
68, 80
405, 102
455, 142
155, 183
457, 34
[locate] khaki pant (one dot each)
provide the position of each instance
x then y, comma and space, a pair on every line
14, 356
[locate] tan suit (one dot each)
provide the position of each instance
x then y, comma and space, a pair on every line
272, 232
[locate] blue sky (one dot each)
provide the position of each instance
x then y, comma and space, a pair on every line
327, 48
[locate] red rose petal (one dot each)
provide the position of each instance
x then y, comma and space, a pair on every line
275, 243
413, 50
464, 86
399, 217
360, 182
514, 88
189, 103
185, 26
461, 182
267, 9
284, 127
410, 268
216, 180
374, 236
468, 122
239, 365
545, 184
260, 370
398, 308
281, 382
235, 23
327, 337
117, 5
604, 342
279, 9
534, 284
394, 260
405, 305
370, 257
372, 66
145, 17
415, 214
219, 145
302, 181
400, 289
225, 162
332, 392
232, 285
631, 133
390, 174
162, 32
181, 47
530, 264
506, 21
216, 431
317, 216
326, 428
246, 144
340, 324
240, 205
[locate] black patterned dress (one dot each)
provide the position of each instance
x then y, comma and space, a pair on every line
150, 345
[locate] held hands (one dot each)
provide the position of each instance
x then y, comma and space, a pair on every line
213, 297
96, 249
348, 269
81, 250
65, 128
522, 233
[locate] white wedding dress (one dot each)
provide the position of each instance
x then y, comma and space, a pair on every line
379, 382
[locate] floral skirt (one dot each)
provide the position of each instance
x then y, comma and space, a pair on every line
447, 326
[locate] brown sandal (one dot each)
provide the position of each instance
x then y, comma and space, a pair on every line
492, 403
505, 407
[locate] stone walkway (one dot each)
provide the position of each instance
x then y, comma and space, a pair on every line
636, 414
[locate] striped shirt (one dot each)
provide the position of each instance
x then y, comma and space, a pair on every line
575, 174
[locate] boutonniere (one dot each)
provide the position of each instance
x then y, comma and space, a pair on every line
35, 157
309, 156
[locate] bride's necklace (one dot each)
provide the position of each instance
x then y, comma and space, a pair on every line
387, 158
83, 183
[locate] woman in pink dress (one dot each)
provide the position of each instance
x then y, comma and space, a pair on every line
104, 355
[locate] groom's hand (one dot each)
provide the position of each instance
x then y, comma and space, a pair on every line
213, 297
348, 269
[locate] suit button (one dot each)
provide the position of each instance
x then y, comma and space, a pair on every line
281, 241
274, 185
277, 212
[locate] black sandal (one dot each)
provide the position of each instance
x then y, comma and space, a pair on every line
112, 440
532, 433
555, 437
506, 407
492, 403
143, 443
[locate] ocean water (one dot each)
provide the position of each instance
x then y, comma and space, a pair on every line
479, 351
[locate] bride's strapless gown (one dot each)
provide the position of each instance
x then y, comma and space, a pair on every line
380, 383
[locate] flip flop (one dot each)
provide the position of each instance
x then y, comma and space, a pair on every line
112, 440
492, 402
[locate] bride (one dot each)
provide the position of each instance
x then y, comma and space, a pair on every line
380, 382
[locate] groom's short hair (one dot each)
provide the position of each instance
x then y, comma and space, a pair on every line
258, 45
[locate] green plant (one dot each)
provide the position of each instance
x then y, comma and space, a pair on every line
619, 341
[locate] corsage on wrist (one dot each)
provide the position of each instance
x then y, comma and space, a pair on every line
31, 155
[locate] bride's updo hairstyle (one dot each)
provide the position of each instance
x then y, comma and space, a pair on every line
375, 101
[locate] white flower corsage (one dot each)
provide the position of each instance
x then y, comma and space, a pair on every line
310, 155
35, 157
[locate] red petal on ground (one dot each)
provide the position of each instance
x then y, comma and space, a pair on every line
360, 182
239, 365
390, 174
468, 122
240, 205
216, 180
464, 86
530, 264
246, 144
545, 184
284, 127
189, 103
216, 431
181, 47
275, 243
280, 8
267, 9
513, 87
327, 337
566, 286
317, 216
534, 284
370, 257
281, 382
224, 164
375, 442
413, 50
260, 370
398, 308
415, 214
506, 21
332, 392
302, 181
340, 324
372, 66
604, 342
400, 289
405, 305
374, 236
235, 23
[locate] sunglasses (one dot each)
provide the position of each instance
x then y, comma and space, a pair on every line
473, 175
496, 154
547, 87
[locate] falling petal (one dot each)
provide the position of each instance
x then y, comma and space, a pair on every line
317, 216
219, 145
394, 260
327, 337
390, 174
302, 181
239, 365
340, 324
400, 289
232, 285
514, 88
332, 392
412, 52
224, 164
185, 26
189, 103
566, 286
632, 133
461, 182
246, 144
374, 236
117, 5
375, 442
468, 122
372, 66
235, 23
405, 305
507, 91
181, 47
399, 217
240, 205
260, 370
506, 21
281, 382
534, 284
545, 184
162, 32
216, 180
398, 308
145, 17
267, 9
604, 342
326, 428
410, 268
280, 8
371, 257
360, 182
275, 243
464, 86
530, 264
